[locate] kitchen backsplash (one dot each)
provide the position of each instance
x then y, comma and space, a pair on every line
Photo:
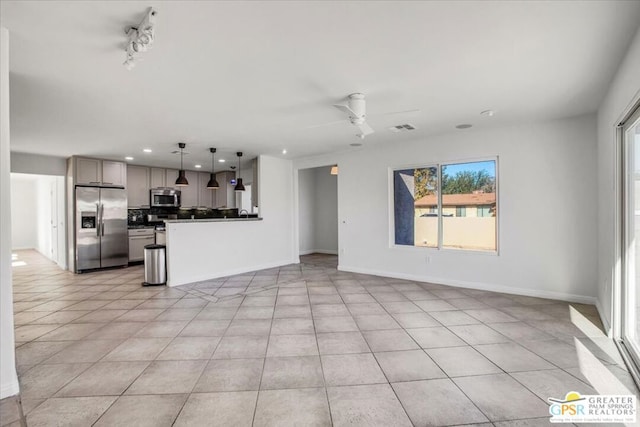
139, 216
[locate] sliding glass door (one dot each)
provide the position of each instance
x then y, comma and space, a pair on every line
630, 290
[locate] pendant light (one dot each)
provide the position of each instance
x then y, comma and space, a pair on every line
212, 184
239, 185
182, 178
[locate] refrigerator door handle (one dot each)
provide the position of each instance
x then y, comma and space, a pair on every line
98, 219
102, 217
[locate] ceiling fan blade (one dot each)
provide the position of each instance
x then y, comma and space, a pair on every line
346, 109
326, 124
365, 129
417, 110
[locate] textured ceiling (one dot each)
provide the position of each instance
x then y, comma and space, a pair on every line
260, 76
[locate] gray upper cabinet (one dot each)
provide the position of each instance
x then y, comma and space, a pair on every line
138, 179
205, 196
225, 196
114, 173
158, 178
171, 176
99, 172
88, 171
189, 193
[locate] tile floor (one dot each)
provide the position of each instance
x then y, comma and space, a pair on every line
299, 345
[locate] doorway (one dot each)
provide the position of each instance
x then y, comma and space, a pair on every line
318, 211
629, 296
38, 215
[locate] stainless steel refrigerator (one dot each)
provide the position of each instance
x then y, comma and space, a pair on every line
101, 238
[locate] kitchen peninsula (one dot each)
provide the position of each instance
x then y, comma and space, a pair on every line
203, 249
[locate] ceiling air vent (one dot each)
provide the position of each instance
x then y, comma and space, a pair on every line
402, 128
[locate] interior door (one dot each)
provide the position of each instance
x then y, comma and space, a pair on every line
87, 228
113, 227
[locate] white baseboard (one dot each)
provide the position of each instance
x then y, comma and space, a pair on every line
605, 322
319, 251
10, 388
230, 272
538, 293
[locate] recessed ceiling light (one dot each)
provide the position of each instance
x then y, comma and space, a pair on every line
284, 151
463, 126
355, 144
198, 166
488, 113
147, 150
128, 158
221, 160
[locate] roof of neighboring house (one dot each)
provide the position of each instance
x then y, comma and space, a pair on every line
458, 200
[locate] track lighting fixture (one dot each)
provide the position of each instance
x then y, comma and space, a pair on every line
140, 38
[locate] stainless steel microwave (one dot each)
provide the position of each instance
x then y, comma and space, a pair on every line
165, 197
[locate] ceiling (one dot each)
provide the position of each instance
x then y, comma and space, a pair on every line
259, 77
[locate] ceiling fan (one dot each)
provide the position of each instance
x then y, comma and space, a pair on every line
356, 108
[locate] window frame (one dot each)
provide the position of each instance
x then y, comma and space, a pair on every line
440, 247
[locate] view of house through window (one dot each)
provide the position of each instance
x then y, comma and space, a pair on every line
464, 217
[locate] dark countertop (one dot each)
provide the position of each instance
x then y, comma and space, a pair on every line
173, 221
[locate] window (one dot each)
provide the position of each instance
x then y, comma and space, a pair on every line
483, 211
451, 206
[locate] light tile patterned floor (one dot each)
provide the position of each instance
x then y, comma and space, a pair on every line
298, 345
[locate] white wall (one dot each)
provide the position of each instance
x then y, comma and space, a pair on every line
205, 250
37, 164
326, 211
547, 209
8, 377
623, 92
306, 211
24, 208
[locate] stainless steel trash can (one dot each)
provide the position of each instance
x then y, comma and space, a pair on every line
155, 267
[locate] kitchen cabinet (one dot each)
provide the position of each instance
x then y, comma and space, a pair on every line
138, 186
170, 178
88, 171
205, 196
158, 178
99, 172
114, 173
138, 239
189, 193
225, 196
